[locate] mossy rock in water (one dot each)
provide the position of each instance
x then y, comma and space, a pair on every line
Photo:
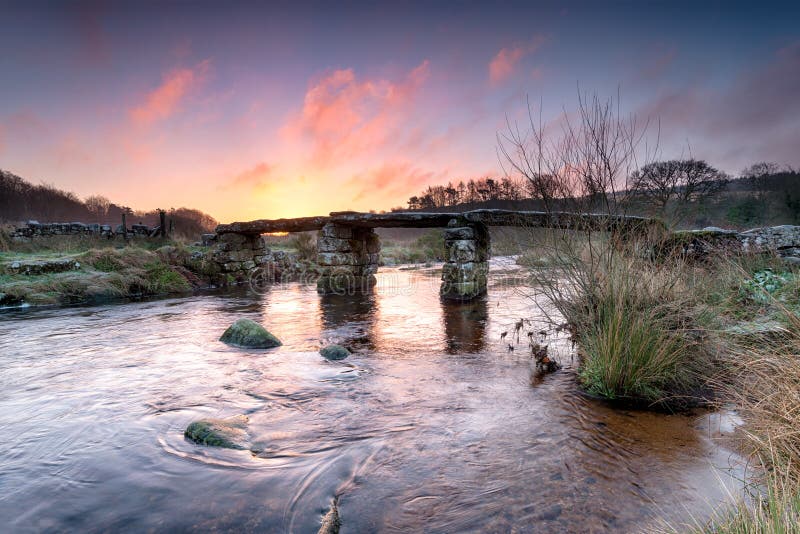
228, 433
249, 334
334, 352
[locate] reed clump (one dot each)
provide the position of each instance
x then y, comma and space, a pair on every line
638, 324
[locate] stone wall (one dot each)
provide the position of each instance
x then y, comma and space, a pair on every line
783, 241
35, 229
348, 258
464, 274
239, 253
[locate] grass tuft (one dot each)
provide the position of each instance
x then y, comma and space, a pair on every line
637, 324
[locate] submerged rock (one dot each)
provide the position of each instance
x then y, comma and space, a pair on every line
334, 352
331, 521
249, 334
229, 433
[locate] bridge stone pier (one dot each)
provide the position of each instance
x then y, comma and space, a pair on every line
465, 272
348, 257
348, 249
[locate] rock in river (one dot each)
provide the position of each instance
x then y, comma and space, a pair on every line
249, 334
229, 433
334, 352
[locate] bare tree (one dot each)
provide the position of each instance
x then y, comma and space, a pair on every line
758, 175
578, 164
676, 183
98, 206
701, 181
584, 168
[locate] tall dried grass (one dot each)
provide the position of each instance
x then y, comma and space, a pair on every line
637, 323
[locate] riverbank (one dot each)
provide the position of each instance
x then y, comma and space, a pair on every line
49, 277
671, 331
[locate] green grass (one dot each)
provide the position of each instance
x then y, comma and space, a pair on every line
105, 274
747, 288
161, 278
628, 353
634, 332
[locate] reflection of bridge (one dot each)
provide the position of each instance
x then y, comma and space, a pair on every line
348, 248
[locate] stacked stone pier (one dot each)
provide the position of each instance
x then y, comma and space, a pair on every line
464, 274
348, 257
348, 249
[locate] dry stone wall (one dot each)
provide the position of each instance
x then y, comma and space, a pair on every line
35, 229
783, 241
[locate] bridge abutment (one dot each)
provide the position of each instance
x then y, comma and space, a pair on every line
465, 272
239, 253
348, 258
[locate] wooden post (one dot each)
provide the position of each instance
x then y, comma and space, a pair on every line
162, 216
124, 228
171, 226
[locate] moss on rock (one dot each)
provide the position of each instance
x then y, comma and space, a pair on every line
249, 334
334, 352
227, 433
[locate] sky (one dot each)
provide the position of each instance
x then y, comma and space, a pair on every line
266, 110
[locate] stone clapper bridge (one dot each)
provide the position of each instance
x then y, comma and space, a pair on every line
348, 248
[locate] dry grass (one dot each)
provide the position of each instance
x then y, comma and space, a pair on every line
774, 508
5, 239
637, 323
762, 380
765, 385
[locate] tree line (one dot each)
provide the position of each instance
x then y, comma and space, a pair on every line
670, 189
471, 191
21, 201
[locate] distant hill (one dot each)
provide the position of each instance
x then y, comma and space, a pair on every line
21, 201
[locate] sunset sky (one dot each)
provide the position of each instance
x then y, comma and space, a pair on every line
252, 111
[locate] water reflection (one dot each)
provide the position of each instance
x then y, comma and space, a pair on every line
352, 317
465, 325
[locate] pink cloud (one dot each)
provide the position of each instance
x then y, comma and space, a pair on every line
163, 101
70, 151
394, 179
343, 115
256, 177
503, 64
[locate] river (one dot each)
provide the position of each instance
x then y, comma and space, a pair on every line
432, 425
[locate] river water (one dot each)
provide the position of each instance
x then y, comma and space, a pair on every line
432, 425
